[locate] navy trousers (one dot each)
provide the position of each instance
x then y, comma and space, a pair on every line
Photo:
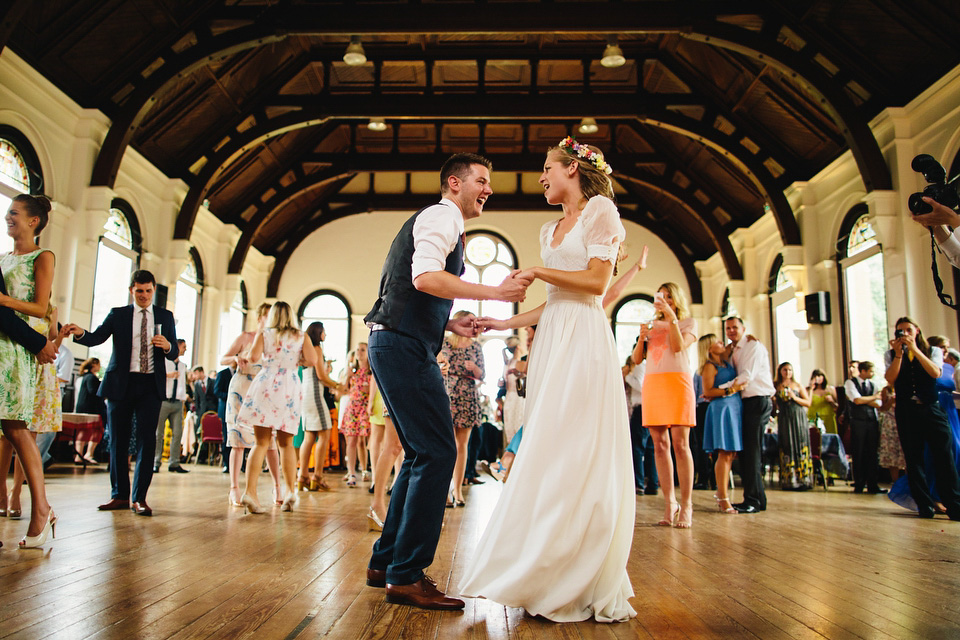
756, 415
141, 401
413, 391
644, 464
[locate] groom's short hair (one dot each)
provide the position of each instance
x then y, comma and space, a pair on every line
459, 165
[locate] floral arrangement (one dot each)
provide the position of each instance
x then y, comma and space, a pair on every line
585, 152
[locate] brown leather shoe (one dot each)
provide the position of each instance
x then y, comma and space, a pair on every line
422, 593
376, 578
141, 509
115, 505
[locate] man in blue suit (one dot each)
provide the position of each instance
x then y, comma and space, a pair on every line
134, 384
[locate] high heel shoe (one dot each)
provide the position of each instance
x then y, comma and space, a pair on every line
302, 484
232, 499
249, 505
725, 509
352, 481
685, 523
674, 512
49, 529
314, 485
373, 521
291, 502
277, 500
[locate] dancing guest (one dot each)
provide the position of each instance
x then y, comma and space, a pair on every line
390, 455
239, 437
419, 281
864, 400
134, 384
531, 554
354, 420
88, 402
722, 431
27, 280
921, 420
317, 425
465, 357
823, 401
793, 434
272, 403
669, 403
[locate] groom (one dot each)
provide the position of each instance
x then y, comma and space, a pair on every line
419, 281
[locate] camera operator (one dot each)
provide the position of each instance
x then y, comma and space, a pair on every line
921, 420
938, 220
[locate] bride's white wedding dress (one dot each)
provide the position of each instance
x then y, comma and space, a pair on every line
559, 538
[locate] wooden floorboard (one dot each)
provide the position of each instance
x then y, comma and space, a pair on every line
816, 565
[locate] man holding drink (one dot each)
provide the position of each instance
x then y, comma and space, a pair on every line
134, 384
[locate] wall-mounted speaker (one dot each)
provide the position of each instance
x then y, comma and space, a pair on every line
818, 307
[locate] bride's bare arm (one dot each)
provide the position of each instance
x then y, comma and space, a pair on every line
525, 319
593, 280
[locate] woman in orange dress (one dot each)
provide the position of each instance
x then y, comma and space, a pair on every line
669, 405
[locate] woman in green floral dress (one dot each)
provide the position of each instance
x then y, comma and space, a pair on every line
28, 276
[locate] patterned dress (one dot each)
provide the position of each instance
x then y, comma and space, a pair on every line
793, 434
355, 421
18, 368
273, 399
462, 384
47, 408
890, 454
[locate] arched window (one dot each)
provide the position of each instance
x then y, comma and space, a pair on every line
118, 256
330, 308
628, 316
862, 288
188, 303
787, 318
488, 259
233, 320
19, 173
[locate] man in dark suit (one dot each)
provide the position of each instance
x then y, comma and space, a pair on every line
133, 384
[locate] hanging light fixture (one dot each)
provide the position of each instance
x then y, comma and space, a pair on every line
377, 124
613, 54
354, 55
588, 125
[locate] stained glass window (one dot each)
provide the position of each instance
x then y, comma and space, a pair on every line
117, 229
13, 168
862, 237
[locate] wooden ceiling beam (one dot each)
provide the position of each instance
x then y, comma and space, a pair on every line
470, 104
799, 168
403, 162
10, 17
438, 19
730, 149
832, 99
686, 200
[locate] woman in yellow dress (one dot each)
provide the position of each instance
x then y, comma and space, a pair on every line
823, 403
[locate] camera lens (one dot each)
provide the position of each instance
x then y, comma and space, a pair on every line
927, 165
917, 205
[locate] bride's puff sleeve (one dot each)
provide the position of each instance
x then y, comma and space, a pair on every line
602, 230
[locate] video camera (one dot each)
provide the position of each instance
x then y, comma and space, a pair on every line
938, 188
944, 192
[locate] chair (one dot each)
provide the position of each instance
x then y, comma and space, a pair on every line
816, 446
212, 434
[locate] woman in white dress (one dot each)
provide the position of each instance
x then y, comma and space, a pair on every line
559, 538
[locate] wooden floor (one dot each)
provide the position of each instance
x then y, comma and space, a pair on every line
816, 565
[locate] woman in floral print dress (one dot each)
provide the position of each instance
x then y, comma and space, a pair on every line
272, 403
465, 357
28, 276
355, 423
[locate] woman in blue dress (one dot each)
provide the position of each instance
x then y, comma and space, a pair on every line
722, 431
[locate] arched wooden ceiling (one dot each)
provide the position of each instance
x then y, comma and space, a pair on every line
720, 107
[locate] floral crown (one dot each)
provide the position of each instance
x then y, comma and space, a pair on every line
583, 151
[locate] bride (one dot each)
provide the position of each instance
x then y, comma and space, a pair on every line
559, 538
